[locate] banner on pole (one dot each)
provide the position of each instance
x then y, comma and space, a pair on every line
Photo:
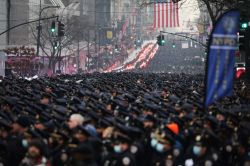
220, 59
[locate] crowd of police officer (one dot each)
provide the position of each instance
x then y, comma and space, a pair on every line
121, 119
178, 60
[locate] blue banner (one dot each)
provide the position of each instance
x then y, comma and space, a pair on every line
220, 60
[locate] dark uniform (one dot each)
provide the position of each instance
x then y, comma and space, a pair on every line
3, 152
125, 101
202, 153
123, 159
82, 155
16, 150
138, 151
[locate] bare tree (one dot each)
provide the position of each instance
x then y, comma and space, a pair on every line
8, 19
216, 8
52, 45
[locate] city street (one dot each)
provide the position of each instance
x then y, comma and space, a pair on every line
124, 83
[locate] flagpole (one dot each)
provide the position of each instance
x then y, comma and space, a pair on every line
206, 71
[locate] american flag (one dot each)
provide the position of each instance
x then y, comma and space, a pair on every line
166, 14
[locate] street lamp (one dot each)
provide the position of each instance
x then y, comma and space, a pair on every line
39, 26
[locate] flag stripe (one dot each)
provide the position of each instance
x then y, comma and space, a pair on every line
155, 15
171, 6
174, 14
159, 15
167, 14
162, 6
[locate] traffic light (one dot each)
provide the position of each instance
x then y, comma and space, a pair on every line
244, 24
160, 40
173, 45
116, 48
53, 26
241, 41
163, 41
61, 29
55, 45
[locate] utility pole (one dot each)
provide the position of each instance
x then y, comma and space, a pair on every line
78, 38
39, 29
78, 55
8, 20
247, 54
60, 52
96, 28
87, 63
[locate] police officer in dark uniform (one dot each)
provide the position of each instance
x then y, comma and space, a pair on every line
243, 149
121, 155
201, 152
87, 134
138, 151
15, 145
4, 134
82, 155
148, 125
162, 144
58, 144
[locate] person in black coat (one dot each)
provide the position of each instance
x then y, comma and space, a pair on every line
16, 145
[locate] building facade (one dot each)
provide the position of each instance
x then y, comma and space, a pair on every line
19, 13
3, 23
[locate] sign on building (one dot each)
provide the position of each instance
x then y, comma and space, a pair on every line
109, 35
184, 45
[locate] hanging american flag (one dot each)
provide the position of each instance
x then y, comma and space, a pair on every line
166, 14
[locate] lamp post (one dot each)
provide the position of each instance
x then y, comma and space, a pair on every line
39, 25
